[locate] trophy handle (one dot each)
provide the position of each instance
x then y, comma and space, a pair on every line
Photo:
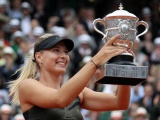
146, 26
95, 28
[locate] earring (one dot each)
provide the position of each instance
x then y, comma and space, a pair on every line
40, 64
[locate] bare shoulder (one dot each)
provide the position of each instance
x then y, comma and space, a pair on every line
29, 80
25, 92
28, 83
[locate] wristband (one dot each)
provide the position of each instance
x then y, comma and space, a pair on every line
95, 64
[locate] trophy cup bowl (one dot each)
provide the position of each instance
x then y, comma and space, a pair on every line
121, 69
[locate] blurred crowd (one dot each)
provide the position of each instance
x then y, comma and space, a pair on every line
22, 21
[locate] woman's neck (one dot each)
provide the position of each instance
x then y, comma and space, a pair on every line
51, 80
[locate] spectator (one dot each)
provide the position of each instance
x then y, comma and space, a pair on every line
3, 38
14, 25
84, 49
140, 58
79, 30
16, 39
37, 31
86, 37
6, 112
3, 7
34, 23
108, 88
53, 20
26, 19
155, 112
116, 115
69, 24
25, 50
155, 55
4, 18
4, 95
87, 19
152, 74
141, 114
61, 31
14, 9
157, 75
132, 110
146, 101
18, 117
146, 15
41, 12
68, 20
147, 46
2, 60
7, 71
153, 24
67, 12
137, 93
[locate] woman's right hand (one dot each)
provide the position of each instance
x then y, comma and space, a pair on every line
108, 51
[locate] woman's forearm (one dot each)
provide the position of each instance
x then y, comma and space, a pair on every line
76, 84
123, 96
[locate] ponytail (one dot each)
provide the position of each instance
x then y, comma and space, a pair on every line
29, 70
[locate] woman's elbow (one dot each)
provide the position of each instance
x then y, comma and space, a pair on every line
123, 106
62, 103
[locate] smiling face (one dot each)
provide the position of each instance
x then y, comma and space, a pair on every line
54, 60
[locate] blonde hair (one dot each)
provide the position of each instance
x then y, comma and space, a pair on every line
29, 70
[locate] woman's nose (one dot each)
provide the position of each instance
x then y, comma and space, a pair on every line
62, 54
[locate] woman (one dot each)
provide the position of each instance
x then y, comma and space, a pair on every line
45, 99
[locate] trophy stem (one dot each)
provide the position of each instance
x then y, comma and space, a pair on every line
122, 59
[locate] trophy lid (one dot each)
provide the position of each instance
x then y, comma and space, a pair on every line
121, 12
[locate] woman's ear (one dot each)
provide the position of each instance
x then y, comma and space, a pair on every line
38, 57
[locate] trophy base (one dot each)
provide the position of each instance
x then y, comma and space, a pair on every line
120, 81
123, 72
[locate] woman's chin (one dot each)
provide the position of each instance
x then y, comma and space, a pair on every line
61, 70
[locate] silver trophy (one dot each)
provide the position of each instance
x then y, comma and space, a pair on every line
121, 69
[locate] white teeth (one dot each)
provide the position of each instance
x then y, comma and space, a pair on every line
61, 63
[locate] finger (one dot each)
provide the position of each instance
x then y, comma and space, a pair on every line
113, 52
116, 48
112, 39
118, 52
130, 51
